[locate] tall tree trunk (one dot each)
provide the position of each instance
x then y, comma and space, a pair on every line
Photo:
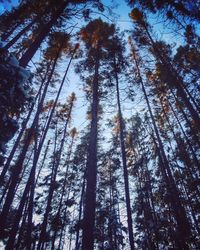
91, 166
42, 162
60, 244
42, 235
154, 216
54, 175
124, 162
31, 200
18, 245
64, 186
80, 213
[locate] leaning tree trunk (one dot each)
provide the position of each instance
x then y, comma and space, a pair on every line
16, 38
64, 187
36, 19
18, 244
54, 175
41, 36
8, 33
23, 128
19, 164
10, 195
177, 80
183, 231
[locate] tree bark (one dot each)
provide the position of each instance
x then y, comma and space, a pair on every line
91, 167
39, 39
124, 162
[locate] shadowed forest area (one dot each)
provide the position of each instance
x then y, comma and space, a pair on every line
100, 125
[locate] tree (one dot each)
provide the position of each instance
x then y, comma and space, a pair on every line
95, 36
178, 209
170, 8
21, 158
116, 51
162, 55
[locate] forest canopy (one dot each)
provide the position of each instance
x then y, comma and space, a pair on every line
100, 125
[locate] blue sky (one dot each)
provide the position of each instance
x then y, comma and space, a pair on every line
122, 8
7, 4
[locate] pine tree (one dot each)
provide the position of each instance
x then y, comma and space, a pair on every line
95, 36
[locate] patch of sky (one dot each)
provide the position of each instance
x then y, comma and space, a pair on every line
121, 13
7, 5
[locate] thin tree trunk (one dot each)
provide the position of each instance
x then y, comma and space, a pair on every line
124, 162
42, 235
80, 213
6, 35
63, 191
31, 200
54, 175
16, 38
150, 195
22, 228
60, 245
43, 162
